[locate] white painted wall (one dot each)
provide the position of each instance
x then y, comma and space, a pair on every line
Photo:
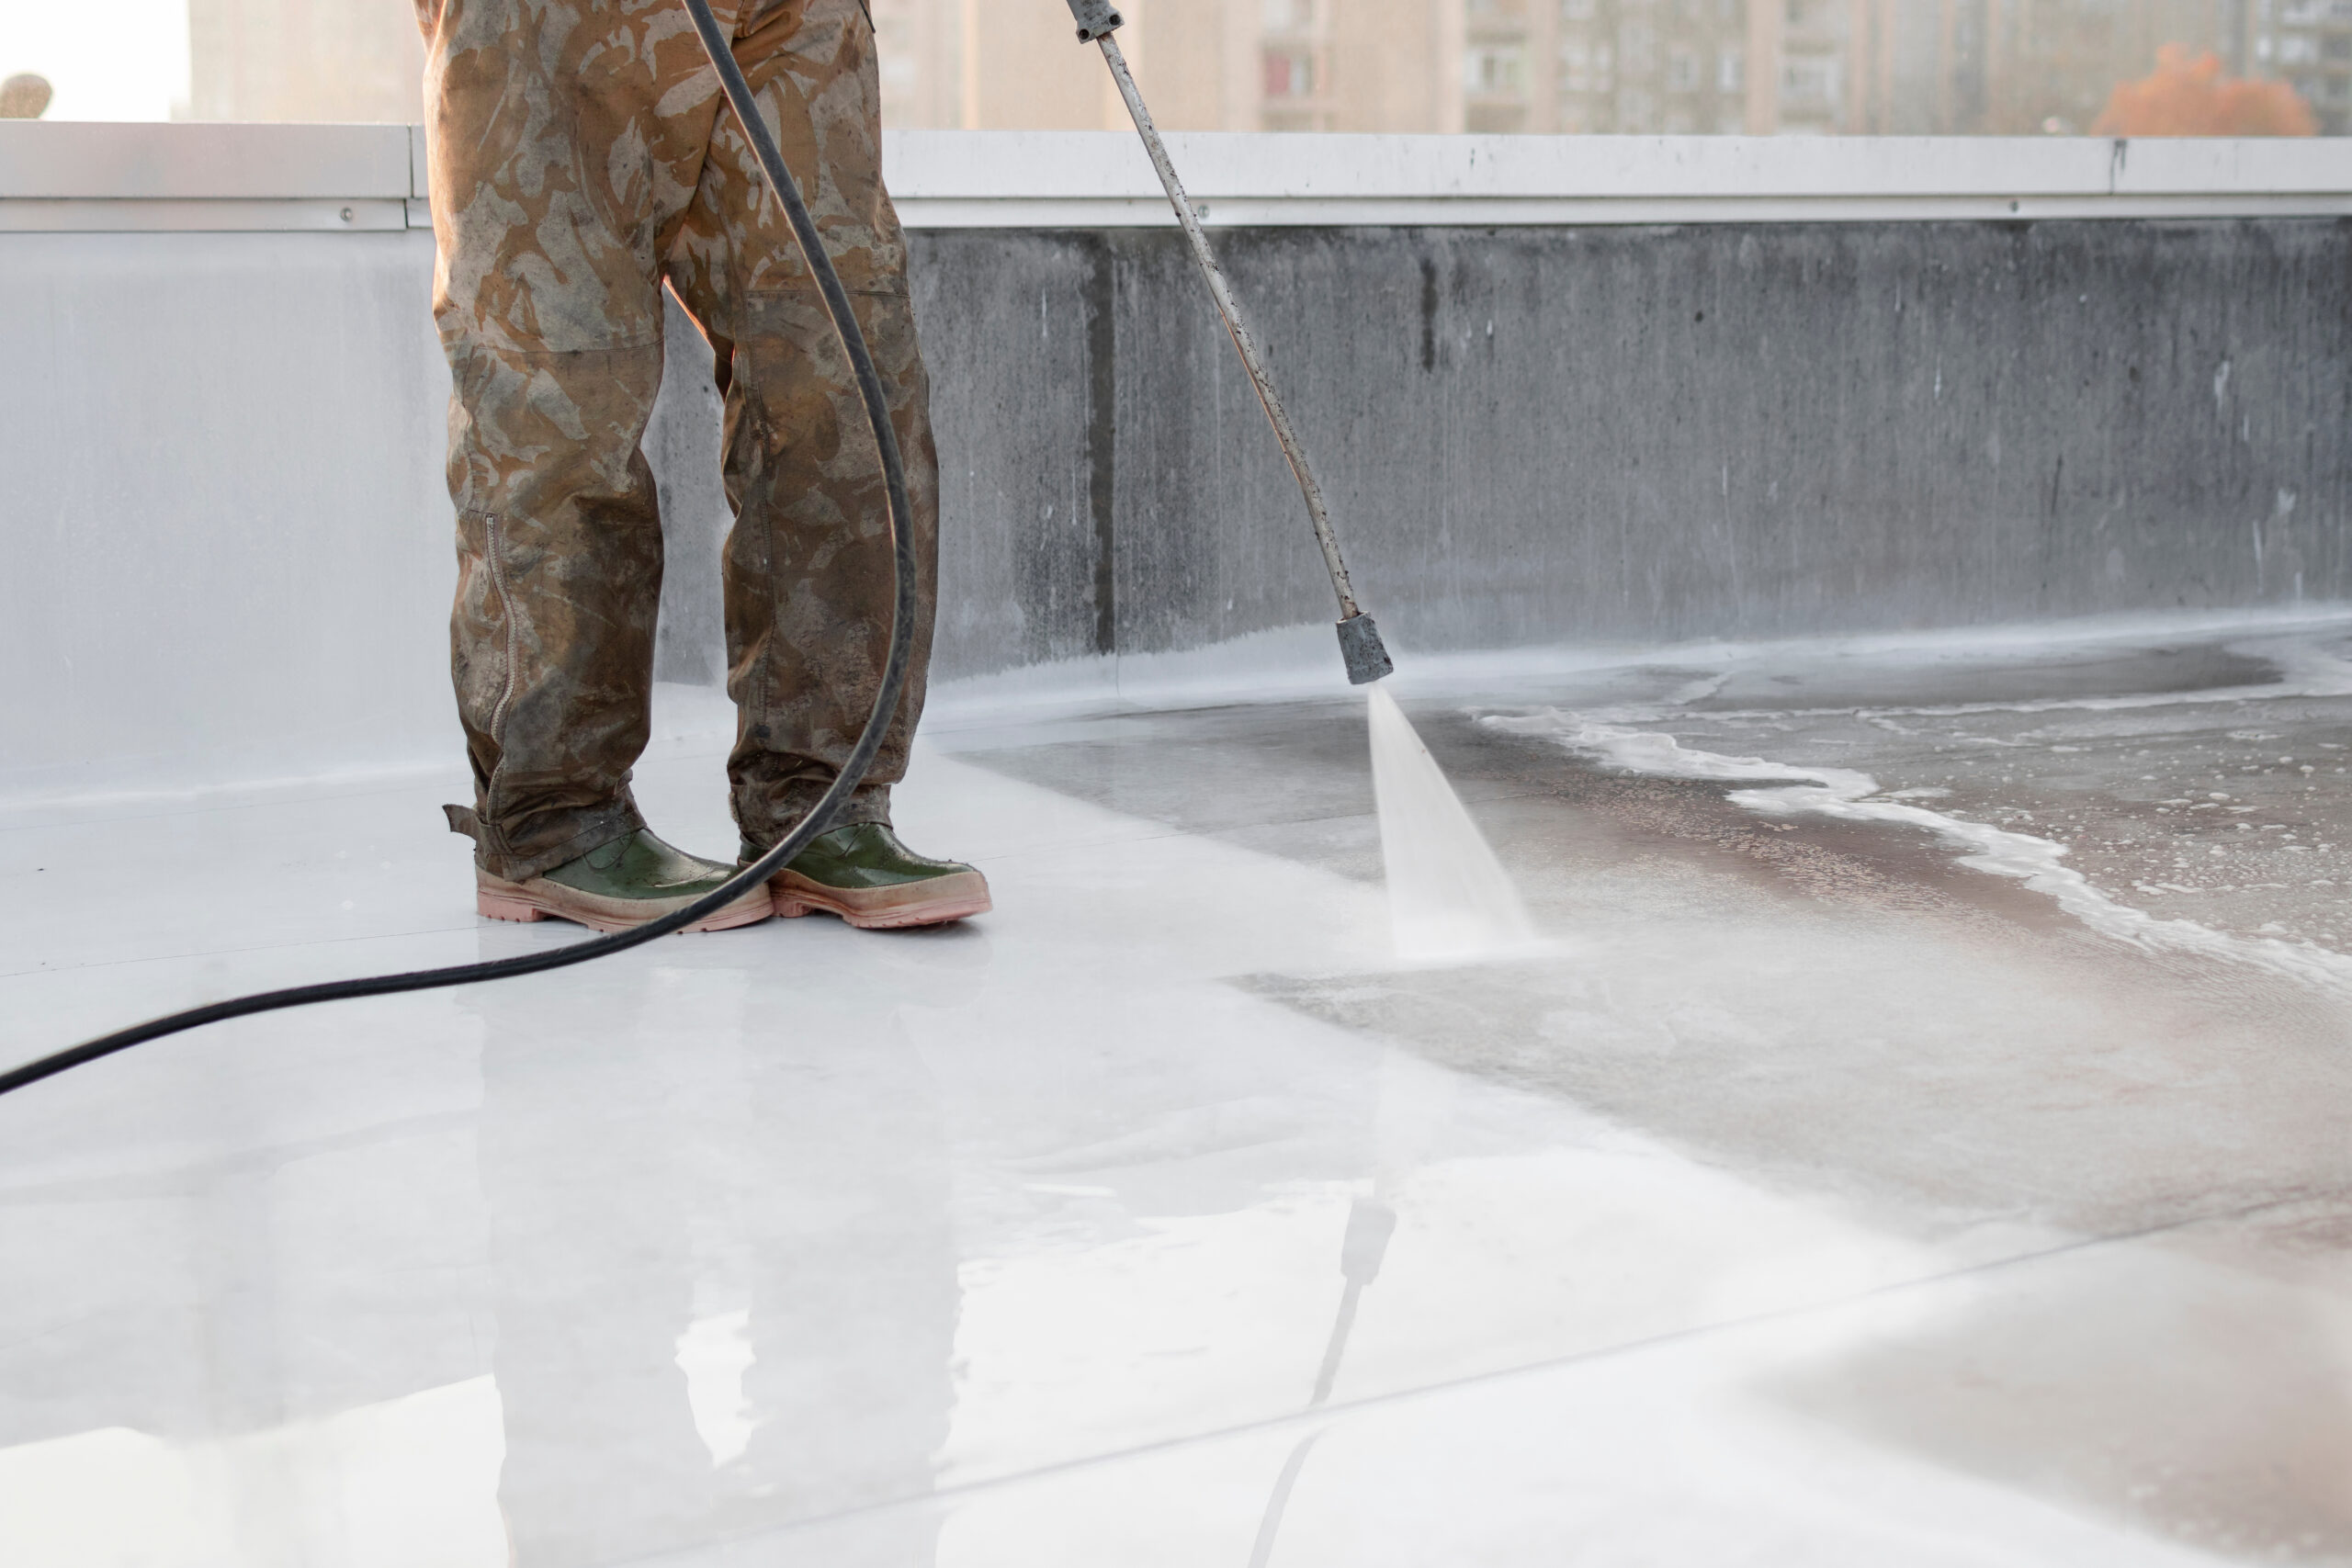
226, 539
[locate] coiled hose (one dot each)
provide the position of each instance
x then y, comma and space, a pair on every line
861, 758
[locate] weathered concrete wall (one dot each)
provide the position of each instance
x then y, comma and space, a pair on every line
1536, 436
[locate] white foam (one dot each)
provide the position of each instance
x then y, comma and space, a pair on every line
1854, 796
1449, 897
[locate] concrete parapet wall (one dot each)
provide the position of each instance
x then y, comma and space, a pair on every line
1546, 435
229, 548
1536, 435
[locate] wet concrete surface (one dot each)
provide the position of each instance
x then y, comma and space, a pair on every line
1853, 1013
1879, 1003
2230, 809
1828, 1190
2186, 778
2195, 1391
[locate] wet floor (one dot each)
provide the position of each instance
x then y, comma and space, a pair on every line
1856, 1178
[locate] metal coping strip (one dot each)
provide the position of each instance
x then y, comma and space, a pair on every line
376, 215
183, 179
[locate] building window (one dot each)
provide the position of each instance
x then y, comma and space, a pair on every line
1584, 67
1809, 81
1494, 70
1636, 48
1681, 70
1289, 15
1290, 74
1731, 70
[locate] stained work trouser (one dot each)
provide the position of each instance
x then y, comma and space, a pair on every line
581, 156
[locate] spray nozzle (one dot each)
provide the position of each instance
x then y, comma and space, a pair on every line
1366, 656
1096, 20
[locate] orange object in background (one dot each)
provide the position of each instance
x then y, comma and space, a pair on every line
2188, 95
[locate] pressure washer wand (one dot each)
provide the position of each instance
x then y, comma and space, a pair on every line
1360, 644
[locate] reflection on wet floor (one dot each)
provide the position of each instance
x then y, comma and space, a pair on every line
1817, 1197
2194, 1389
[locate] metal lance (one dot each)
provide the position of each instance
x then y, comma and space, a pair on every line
1360, 646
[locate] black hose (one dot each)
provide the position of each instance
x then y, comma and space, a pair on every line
861, 756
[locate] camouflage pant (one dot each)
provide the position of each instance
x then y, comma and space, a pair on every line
580, 157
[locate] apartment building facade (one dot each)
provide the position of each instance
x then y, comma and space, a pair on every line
305, 59
1764, 67
2307, 45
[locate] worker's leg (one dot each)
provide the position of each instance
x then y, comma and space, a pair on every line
807, 568
559, 172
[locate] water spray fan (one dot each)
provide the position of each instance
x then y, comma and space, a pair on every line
1360, 645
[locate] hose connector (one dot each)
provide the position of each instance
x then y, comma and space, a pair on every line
1096, 20
1361, 649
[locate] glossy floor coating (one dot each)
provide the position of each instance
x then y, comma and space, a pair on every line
1838, 1187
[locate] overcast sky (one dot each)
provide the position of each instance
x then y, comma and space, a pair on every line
122, 60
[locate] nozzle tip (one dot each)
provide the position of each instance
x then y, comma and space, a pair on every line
1360, 647
1096, 20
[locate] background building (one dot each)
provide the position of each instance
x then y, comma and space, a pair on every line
1905, 67
2307, 45
304, 59
2016, 67
1916, 67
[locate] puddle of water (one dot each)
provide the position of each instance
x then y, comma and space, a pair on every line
1449, 897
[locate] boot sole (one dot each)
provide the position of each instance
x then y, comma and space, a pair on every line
498, 899
955, 898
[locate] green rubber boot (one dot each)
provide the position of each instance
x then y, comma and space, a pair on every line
620, 885
863, 875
